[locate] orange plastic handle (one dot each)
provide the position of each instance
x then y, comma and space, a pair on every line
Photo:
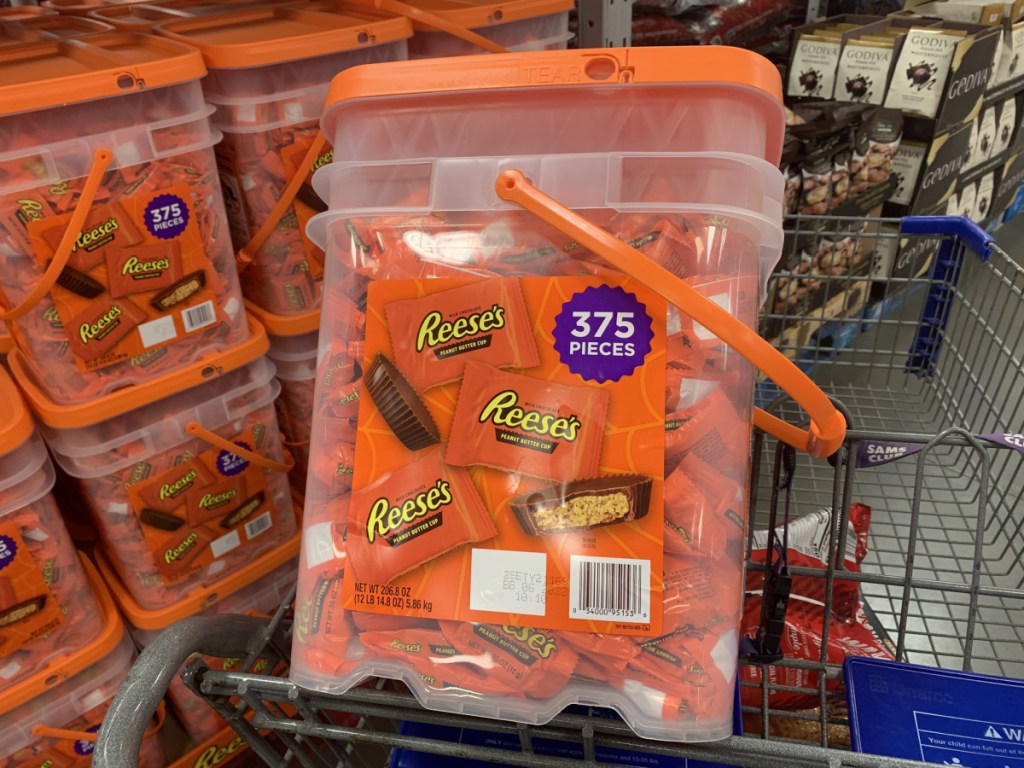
65, 734
248, 251
828, 426
101, 160
226, 445
429, 19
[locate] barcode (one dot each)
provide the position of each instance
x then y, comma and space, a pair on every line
199, 316
255, 527
610, 588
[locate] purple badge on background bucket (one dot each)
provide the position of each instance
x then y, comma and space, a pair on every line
603, 333
166, 216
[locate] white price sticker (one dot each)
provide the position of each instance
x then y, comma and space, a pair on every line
157, 331
225, 544
508, 582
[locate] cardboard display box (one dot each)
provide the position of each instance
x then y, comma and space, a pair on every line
935, 170
935, 68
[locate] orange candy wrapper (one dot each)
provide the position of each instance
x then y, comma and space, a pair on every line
433, 337
412, 515
535, 662
525, 425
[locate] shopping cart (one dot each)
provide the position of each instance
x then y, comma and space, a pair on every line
932, 360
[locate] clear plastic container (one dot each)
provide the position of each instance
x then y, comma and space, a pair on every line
293, 347
76, 702
528, 467
79, 7
142, 17
269, 72
150, 283
23, 12
515, 26
48, 27
257, 589
470, 27
47, 609
186, 479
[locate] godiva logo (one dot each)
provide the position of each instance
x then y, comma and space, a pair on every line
134, 266
179, 486
541, 644
103, 325
435, 330
504, 410
214, 500
92, 238
385, 518
178, 552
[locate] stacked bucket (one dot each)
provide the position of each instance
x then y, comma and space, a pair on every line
64, 648
132, 347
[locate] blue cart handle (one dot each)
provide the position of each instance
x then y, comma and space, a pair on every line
958, 233
973, 236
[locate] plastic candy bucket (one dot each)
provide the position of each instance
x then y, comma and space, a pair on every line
114, 243
47, 610
529, 464
186, 478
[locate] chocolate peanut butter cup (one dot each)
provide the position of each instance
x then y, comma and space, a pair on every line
579, 505
401, 407
79, 283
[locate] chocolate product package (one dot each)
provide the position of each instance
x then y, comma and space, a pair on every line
142, 268
558, 436
849, 632
102, 325
921, 69
106, 225
433, 337
864, 68
412, 515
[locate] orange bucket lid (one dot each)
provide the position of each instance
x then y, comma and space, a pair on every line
81, 7
285, 325
69, 666
273, 35
65, 27
484, 13
719, 66
139, 395
142, 17
133, 18
23, 12
15, 420
198, 600
55, 73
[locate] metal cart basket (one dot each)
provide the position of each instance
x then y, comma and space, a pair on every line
931, 362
